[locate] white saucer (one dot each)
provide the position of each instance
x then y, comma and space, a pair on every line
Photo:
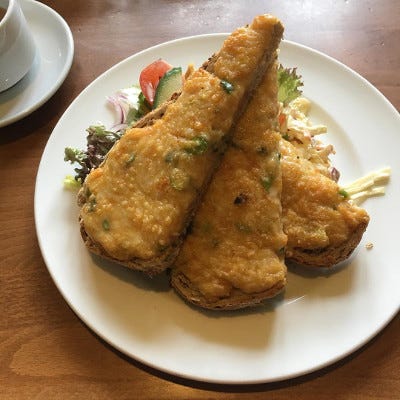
55, 50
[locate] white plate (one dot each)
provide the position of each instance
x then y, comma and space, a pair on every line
55, 49
319, 319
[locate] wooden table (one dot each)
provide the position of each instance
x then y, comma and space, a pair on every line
46, 352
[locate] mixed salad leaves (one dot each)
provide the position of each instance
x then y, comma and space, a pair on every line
160, 80
289, 84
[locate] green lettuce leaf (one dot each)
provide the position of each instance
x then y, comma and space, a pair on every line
289, 83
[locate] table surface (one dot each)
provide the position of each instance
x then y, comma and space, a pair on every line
46, 352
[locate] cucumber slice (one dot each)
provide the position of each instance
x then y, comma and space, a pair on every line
170, 83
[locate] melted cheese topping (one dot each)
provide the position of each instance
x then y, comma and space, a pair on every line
315, 214
237, 239
152, 175
139, 200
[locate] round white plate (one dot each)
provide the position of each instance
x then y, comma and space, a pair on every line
55, 50
319, 319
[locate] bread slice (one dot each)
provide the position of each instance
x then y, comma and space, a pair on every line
322, 226
236, 300
136, 206
233, 255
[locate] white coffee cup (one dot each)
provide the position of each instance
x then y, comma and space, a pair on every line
17, 46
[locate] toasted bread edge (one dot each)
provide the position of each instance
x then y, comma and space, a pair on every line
237, 300
331, 255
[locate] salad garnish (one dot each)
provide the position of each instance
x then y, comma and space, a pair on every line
372, 184
289, 83
130, 104
150, 77
99, 142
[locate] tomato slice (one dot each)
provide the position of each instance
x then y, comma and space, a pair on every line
150, 76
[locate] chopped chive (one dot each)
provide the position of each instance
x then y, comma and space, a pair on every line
343, 193
266, 181
106, 225
92, 204
130, 160
170, 156
199, 146
228, 87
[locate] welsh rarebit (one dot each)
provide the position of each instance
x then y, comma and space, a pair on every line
322, 226
135, 208
233, 256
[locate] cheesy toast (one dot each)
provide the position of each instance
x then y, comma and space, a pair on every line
322, 226
233, 256
135, 207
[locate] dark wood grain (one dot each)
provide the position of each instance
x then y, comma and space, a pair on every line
45, 351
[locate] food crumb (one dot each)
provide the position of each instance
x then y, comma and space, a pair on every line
369, 246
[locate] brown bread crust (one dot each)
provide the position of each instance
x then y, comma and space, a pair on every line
323, 228
330, 255
237, 300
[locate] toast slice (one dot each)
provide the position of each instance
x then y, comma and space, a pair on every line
136, 206
233, 256
322, 226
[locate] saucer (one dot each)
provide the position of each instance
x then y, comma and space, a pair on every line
55, 50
